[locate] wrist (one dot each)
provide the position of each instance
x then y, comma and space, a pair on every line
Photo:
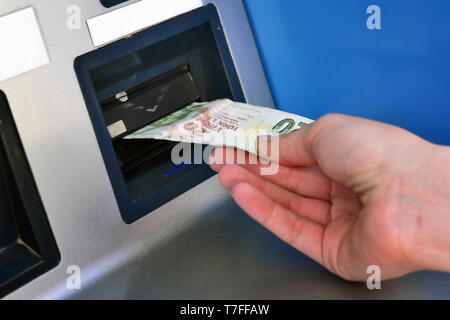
431, 210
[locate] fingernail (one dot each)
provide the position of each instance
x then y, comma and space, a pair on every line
212, 157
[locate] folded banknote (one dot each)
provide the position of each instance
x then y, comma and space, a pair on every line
222, 123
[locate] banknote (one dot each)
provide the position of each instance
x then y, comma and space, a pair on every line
222, 123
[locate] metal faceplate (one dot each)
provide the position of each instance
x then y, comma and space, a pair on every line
199, 245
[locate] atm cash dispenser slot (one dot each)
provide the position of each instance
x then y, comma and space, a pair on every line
27, 246
138, 80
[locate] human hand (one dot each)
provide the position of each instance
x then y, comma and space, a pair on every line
351, 193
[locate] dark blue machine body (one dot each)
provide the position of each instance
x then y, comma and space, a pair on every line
320, 57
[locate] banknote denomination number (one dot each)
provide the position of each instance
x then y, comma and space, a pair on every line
283, 127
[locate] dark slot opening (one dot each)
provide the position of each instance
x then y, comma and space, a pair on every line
111, 3
27, 247
150, 101
137, 107
14, 222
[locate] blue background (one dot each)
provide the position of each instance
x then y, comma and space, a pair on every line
320, 57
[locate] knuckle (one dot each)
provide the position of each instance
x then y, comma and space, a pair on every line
329, 118
324, 126
295, 233
228, 175
270, 218
293, 204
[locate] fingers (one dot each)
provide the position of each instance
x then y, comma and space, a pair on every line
313, 209
299, 232
310, 182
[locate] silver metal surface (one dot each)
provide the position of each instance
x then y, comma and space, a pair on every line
200, 245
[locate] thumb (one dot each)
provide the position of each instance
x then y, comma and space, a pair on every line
330, 142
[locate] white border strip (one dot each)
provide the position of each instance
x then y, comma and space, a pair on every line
122, 22
22, 47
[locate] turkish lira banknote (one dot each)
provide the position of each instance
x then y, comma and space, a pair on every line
222, 123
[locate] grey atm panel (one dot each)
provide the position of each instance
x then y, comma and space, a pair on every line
136, 81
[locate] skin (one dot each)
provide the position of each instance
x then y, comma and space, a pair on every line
351, 193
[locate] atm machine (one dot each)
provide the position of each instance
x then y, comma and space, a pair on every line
87, 214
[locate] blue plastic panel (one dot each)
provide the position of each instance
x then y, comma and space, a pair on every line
320, 57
